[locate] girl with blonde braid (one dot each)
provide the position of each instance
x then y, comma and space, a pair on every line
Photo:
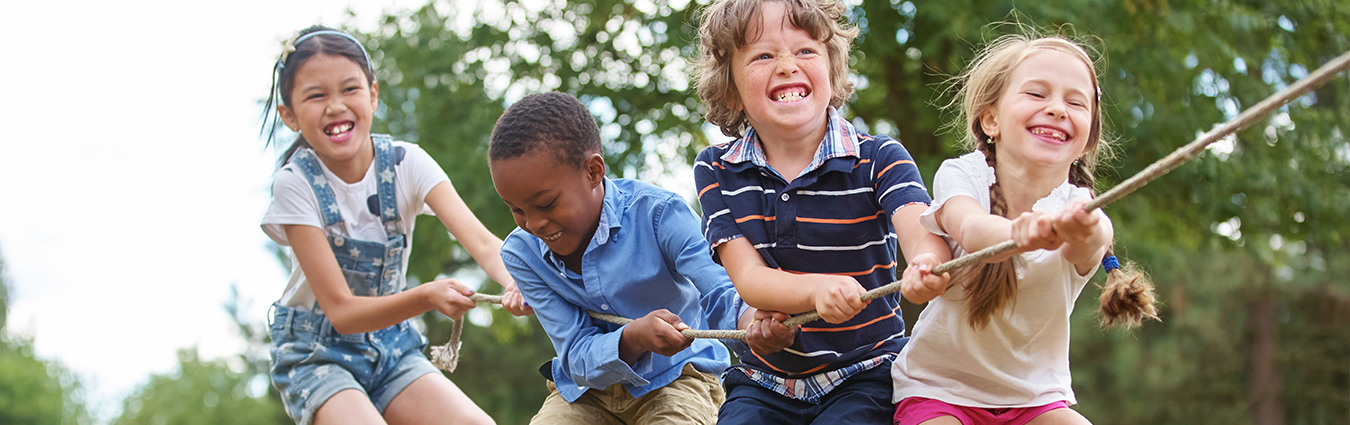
994, 347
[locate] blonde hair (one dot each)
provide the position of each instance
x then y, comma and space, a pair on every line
725, 27
1127, 299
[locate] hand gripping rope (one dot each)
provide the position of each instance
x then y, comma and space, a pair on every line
446, 357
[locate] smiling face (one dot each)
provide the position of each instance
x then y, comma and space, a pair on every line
782, 76
1044, 115
332, 104
556, 202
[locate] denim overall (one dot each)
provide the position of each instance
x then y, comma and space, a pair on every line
311, 361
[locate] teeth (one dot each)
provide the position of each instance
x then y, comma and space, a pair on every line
790, 95
551, 238
1044, 132
341, 128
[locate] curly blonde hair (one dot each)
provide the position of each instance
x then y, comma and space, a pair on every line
727, 25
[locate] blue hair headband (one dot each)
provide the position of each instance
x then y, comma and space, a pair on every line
1110, 263
289, 47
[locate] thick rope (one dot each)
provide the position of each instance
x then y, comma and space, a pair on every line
1168, 163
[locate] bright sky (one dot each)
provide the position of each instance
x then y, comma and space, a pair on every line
133, 178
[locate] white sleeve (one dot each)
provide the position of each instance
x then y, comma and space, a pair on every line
293, 202
421, 173
967, 175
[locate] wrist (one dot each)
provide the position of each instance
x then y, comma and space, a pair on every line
629, 348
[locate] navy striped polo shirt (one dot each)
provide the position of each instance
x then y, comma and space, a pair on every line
833, 219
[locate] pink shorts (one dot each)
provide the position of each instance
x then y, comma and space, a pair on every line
915, 410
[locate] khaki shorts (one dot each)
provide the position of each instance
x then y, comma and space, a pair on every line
693, 398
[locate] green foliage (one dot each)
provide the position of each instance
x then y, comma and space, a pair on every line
32, 390
212, 391
1256, 218
200, 392
499, 363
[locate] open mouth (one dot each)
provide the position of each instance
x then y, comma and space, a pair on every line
339, 130
552, 237
1050, 133
790, 94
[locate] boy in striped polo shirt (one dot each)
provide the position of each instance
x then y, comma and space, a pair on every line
805, 213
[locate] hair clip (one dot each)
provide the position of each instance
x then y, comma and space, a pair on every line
286, 50
1110, 263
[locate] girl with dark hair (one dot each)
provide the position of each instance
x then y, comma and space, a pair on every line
344, 201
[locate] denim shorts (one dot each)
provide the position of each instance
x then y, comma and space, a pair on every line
311, 362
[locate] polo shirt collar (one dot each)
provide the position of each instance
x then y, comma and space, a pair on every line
841, 140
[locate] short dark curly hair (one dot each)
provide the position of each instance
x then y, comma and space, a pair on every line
554, 121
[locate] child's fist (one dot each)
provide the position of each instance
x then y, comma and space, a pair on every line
766, 334
1074, 224
918, 283
659, 332
514, 303
1035, 230
448, 296
839, 298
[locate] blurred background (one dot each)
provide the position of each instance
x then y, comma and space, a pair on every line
136, 281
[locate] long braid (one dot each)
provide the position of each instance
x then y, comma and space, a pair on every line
1127, 298
991, 286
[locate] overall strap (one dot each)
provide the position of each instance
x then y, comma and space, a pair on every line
309, 167
384, 173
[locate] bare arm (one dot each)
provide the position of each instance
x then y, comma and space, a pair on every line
923, 251
836, 298
1085, 235
483, 246
351, 314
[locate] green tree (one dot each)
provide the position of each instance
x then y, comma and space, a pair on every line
1246, 244
223, 391
32, 390
199, 392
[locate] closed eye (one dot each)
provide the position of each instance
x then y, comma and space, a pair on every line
1037, 95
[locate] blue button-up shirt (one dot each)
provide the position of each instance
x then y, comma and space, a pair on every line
647, 254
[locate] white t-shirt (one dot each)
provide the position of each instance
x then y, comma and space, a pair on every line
293, 202
1021, 359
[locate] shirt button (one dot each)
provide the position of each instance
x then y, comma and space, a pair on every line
604, 306
784, 197
337, 240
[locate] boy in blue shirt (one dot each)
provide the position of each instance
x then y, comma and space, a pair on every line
805, 212
620, 247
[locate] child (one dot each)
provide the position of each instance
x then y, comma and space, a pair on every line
345, 200
619, 247
994, 348
805, 212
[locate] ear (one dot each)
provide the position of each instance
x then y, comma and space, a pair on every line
989, 122
374, 95
595, 169
288, 117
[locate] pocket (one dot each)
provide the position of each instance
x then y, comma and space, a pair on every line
360, 282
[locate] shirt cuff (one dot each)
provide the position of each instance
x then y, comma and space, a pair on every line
612, 364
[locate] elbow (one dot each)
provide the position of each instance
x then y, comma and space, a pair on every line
342, 325
342, 322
